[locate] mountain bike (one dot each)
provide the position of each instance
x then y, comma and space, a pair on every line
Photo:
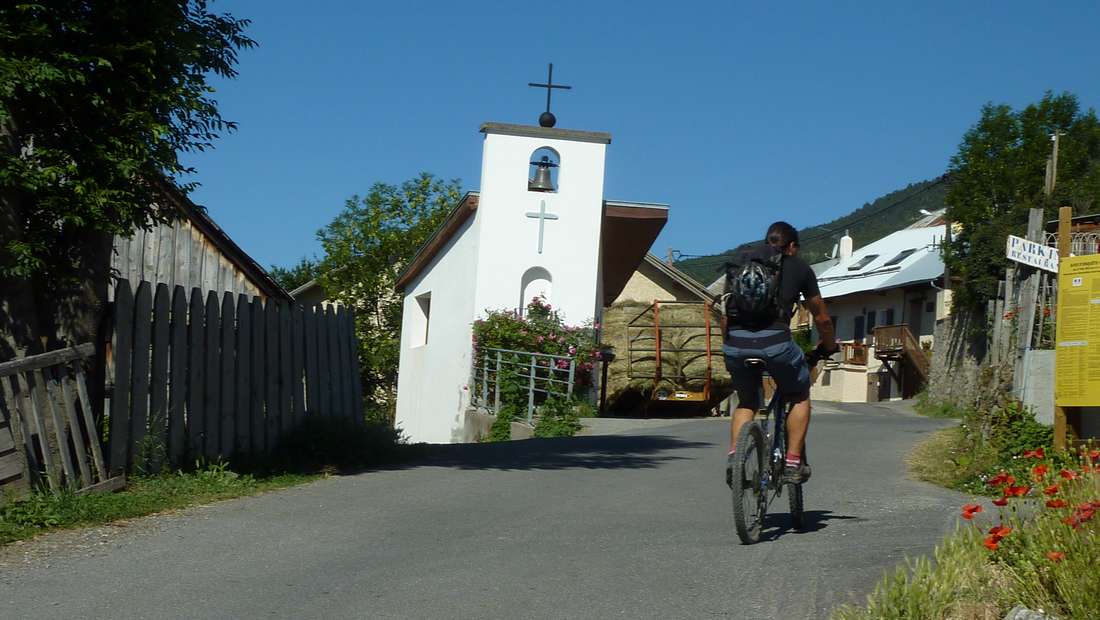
758, 475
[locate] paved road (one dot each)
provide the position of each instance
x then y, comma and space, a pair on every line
635, 524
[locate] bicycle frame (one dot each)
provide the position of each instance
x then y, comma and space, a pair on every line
777, 440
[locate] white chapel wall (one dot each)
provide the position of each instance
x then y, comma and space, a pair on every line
571, 243
431, 400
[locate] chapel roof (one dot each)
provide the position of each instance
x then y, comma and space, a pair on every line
629, 230
531, 131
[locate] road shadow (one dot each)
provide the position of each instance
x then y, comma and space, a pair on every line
779, 523
596, 452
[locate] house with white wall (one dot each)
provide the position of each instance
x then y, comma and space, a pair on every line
536, 227
876, 295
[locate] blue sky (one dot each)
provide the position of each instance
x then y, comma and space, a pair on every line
734, 113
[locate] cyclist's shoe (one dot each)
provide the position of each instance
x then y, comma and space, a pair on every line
729, 471
796, 475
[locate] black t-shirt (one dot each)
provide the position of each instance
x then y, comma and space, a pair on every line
795, 280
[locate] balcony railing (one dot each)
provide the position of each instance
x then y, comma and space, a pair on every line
854, 353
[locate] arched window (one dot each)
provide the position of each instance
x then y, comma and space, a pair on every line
542, 175
536, 282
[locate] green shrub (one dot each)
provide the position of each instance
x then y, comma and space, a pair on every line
988, 440
557, 418
501, 430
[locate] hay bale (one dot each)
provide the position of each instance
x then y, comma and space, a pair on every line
628, 328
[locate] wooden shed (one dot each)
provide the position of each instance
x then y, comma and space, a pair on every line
192, 252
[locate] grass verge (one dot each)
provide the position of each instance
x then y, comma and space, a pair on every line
1040, 553
320, 445
986, 441
42, 512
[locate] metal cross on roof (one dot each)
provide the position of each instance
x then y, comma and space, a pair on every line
546, 119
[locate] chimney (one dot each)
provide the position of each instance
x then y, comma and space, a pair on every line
845, 248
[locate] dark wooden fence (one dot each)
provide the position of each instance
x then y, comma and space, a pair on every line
221, 377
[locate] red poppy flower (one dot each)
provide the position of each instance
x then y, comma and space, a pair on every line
1072, 521
1016, 491
1051, 490
1000, 501
990, 543
1046, 311
1094, 455
1035, 454
1055, 556
970, 510
1039, 471
1056, 503
1068, 474
999, 479
999, 531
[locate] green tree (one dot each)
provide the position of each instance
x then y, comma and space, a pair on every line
367, 246
997, 176
291, 278
97, 102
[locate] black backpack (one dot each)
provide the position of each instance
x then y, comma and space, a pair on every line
752, 287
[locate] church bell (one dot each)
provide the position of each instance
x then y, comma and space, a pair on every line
542, 181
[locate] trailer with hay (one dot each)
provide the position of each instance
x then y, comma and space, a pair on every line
670, 356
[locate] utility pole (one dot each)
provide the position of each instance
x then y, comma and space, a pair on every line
1054, 165
1028, 313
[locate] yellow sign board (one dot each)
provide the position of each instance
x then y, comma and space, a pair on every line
1077, 350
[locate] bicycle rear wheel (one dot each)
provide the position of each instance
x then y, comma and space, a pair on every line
794, 498
748, 496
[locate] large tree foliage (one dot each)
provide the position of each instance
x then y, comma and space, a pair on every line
97, 101
367, 246
291, 278
997, 176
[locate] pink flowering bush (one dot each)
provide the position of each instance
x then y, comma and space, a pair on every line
540, 330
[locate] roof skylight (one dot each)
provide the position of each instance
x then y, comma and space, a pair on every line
904, 254
863, 262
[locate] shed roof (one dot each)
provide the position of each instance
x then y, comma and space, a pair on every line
680, 277
202, 221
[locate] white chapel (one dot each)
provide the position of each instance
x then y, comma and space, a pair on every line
539, 226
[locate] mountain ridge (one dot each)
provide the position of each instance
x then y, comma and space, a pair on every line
869, 223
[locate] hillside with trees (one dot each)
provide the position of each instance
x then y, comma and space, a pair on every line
869, 223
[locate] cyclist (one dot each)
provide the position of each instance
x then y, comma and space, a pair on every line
772, 342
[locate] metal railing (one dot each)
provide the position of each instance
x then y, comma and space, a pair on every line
541, 375
854, 353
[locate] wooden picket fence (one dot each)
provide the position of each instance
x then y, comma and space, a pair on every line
48, 432
209, 376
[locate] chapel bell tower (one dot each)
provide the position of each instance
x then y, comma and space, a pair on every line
539, 217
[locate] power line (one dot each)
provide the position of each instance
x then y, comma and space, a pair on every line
719, 259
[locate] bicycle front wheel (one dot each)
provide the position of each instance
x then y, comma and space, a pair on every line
748, 494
